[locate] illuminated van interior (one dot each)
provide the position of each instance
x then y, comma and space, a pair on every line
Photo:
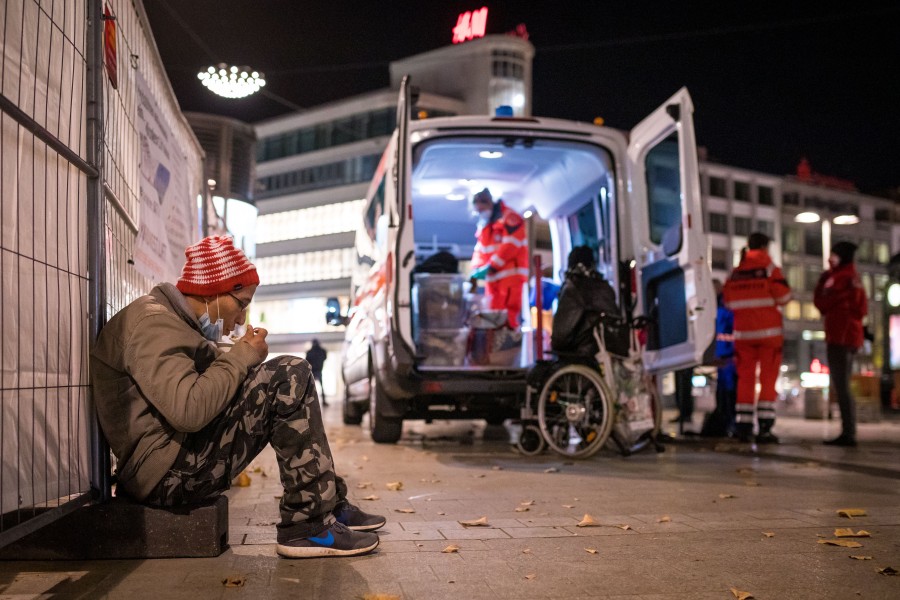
565, 184
551, 178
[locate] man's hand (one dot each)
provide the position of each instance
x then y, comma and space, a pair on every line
481, 272
256, 337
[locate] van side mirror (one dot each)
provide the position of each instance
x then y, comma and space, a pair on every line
333, 314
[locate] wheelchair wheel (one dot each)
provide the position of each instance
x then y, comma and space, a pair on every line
575, 411
530, 442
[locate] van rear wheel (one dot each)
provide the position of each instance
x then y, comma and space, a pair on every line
384, 429
353, 411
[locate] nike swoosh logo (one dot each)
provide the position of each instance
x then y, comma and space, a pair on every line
327, 540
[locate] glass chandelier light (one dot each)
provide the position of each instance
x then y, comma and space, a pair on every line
231, 82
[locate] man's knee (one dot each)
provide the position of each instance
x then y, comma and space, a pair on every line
294, 372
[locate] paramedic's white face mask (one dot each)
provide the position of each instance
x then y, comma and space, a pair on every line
212, 331
482, 214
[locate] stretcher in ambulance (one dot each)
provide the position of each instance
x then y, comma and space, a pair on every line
419, 342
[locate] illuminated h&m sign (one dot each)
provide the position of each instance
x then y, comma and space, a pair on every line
470, 25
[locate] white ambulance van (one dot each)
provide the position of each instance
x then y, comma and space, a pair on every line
418, 343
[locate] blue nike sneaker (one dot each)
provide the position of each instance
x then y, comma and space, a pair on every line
336, 540
356, 519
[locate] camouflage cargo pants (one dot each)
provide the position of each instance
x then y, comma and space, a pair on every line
277, 405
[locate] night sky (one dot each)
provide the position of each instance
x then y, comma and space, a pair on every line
771, 81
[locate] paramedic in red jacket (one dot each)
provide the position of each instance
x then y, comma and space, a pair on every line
501, 254
841, 299
754, 293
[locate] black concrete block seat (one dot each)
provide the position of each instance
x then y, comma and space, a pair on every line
122, 529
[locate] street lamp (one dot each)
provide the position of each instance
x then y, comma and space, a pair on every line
231, 81
812, 217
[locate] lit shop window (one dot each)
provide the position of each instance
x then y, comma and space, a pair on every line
810, 312
795, 278
307, 266
298, 315
509, 92
792, 311
880, 282
309, 222
867, 283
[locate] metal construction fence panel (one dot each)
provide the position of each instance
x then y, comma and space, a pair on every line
70, 218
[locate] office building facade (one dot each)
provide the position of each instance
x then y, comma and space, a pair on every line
313, 170
804, 215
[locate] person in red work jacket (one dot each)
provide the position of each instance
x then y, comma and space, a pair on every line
754, 292
501, 254
841, 299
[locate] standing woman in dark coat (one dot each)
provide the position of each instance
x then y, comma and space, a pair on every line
841, 299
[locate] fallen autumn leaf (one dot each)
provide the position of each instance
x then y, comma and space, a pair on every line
482, 522
741, 595
844, 543
242, 480
851, 512
450, 549
860, 557
371, 497
407, 511
233, 581
591, 550
848, 532
888, 571
587, 521
394, 486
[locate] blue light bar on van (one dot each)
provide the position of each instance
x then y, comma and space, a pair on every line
504, 110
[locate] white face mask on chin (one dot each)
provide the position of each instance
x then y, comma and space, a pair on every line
212, 331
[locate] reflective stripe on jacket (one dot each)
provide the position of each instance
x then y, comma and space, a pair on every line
753, 293
502, 244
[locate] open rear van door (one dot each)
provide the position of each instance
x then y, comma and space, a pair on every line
402, 228
674, 281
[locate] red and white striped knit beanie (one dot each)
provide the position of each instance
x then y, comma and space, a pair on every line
215, 266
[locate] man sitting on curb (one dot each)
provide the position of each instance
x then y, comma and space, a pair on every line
184, 418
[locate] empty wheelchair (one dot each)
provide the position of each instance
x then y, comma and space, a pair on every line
578, 405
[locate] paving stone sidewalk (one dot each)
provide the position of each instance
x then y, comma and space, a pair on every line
689, 523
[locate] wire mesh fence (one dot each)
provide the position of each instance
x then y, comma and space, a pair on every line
71, 184
45, 420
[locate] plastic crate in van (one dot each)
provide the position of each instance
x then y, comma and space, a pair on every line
442, 347
438, 301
